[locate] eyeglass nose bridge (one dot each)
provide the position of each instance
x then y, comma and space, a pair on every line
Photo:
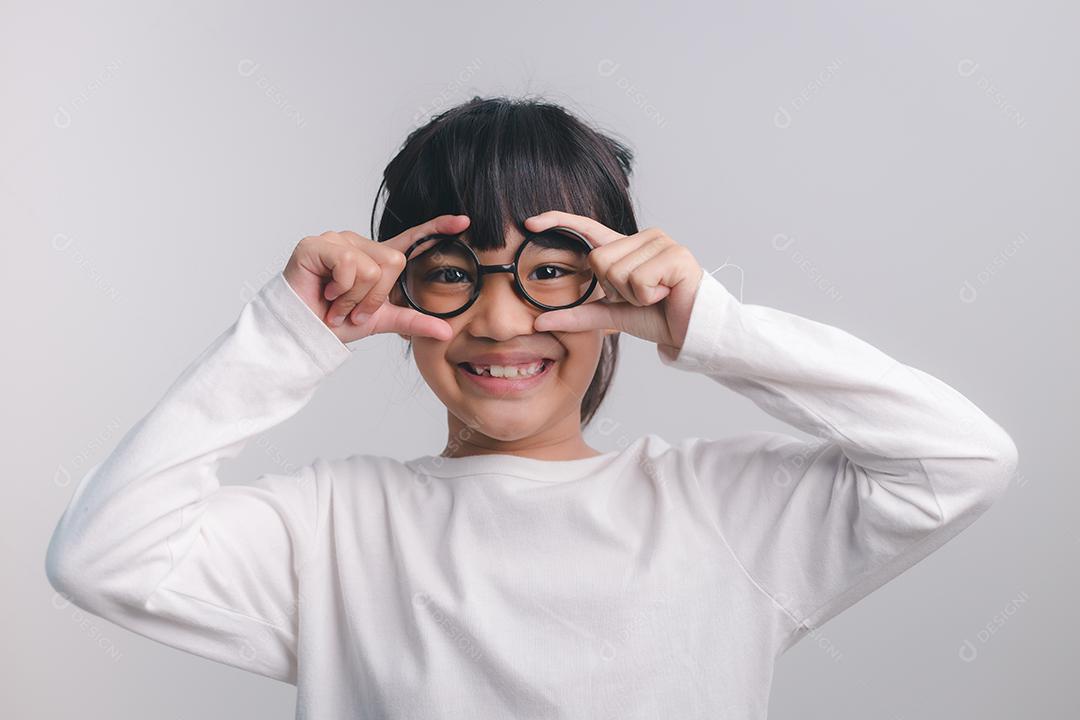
498, 267
510, 267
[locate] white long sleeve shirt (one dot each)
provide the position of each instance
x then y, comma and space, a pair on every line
654, 581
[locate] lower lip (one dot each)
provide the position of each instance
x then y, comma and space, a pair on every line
506, 386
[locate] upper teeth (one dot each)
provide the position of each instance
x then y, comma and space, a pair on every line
509, 371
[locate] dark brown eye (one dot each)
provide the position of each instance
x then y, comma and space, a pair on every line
546, 272
448, 275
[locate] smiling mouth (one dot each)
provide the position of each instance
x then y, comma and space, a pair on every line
508, 372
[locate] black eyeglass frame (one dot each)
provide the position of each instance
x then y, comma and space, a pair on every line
483, 270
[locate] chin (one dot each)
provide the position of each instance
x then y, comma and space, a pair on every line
502, 420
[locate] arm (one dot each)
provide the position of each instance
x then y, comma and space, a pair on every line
900, 462
150, 539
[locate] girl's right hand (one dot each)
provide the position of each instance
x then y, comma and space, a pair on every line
346, 280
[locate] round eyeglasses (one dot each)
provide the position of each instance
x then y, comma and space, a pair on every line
443, 276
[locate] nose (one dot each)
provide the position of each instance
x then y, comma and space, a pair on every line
499, 312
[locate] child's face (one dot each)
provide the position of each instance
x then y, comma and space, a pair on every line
501, 321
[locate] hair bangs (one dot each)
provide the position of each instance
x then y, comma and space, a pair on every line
500, 162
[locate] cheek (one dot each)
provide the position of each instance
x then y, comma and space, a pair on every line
582, 356
430, 358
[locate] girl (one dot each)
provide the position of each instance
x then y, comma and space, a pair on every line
520, 572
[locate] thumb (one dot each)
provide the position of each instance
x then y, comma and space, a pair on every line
647, 322
590, 316
397, 319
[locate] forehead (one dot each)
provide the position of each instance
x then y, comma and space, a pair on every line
512, 237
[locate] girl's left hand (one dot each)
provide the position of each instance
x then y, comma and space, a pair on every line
648, 280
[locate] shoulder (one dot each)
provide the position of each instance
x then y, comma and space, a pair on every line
758, 454
741, 448
362, 475
316, 483
361, 466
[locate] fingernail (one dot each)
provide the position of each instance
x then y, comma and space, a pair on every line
361, 318
336, 320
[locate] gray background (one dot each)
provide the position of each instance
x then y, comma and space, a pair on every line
907, 173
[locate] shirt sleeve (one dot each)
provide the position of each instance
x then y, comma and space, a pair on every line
899, 462
152, 541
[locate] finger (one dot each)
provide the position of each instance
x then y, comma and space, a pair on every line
397, 319
443, 224
648, 323
600, 262
390, 270
391, 262
611, 295
655, 278
594, 231
620, 271
590, 316
383, 253
603, 259
367, 273
342, 267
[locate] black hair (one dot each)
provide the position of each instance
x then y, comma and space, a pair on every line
501, 160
